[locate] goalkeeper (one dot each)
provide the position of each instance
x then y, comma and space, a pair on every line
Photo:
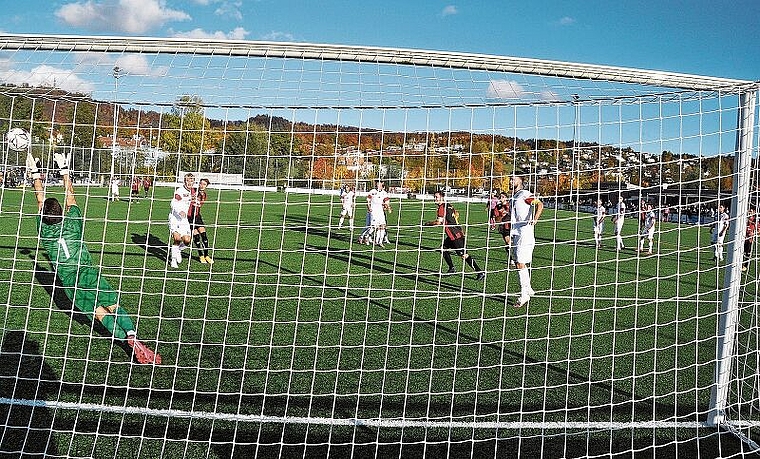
61, 234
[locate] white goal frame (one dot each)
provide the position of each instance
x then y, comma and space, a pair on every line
659, 81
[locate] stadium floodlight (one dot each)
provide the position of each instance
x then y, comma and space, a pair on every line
298, 340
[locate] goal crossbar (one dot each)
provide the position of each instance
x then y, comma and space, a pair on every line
366, 54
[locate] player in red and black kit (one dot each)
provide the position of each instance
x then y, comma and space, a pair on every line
135, 194
503, 218
146, 185
196, 221
749, 238
453, 240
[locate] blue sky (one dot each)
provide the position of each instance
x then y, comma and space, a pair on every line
715, 38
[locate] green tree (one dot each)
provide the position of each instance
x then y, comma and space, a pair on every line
186, 135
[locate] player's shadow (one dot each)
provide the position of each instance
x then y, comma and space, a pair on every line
53, 286
152, 244
26, 382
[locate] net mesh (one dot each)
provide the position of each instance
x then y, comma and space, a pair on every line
304, 339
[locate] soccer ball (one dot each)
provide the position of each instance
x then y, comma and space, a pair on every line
18, 139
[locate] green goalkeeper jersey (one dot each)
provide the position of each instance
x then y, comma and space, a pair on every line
65, 246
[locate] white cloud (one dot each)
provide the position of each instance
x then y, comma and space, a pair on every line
508, 89
230, 10
238, 33
566, 20
278, 36
450, 10
45, 75
129, 16
138, 65
505, 89
91, 58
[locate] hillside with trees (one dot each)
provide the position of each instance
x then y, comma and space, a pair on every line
271, 150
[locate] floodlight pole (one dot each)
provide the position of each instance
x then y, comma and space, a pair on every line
729, 313
576, 154
116, 74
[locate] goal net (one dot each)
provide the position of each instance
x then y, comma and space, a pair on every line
298, 328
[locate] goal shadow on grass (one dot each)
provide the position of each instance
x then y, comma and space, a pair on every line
26, 381
505, 352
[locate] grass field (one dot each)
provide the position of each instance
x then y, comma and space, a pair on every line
297, 320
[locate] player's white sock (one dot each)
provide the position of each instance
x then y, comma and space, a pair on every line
525, 289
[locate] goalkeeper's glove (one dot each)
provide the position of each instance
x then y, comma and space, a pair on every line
33, 166
62, 162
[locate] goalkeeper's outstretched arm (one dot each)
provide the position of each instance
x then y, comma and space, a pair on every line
33, 167
69, 191
63, 167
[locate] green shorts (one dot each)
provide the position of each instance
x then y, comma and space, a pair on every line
88, 289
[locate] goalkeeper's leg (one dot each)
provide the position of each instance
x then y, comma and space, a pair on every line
116, 320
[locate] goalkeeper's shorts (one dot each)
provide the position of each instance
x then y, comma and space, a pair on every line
88, 289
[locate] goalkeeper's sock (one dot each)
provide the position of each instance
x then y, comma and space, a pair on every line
109, 321
204, 239
123, 320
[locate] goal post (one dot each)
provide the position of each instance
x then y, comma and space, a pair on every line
731, 295
300, 324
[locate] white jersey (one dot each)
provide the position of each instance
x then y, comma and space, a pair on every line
376, 200
347, 198
649, 224
619, 217
620, 212
721, 226
181, 201
601, 213
521, 209
521, 231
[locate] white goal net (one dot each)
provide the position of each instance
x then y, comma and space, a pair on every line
313, 312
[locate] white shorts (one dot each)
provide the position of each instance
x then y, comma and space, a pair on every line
618, 225
523, 243
179, 225
599, 228
348, 211
378, 218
